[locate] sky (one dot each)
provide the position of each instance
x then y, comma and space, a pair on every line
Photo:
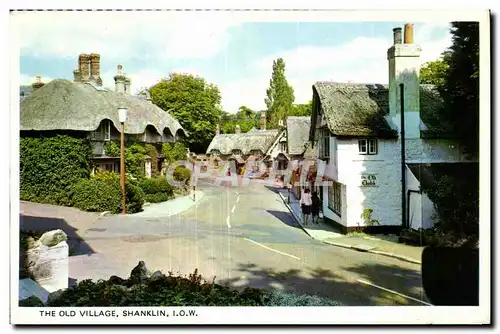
234, 54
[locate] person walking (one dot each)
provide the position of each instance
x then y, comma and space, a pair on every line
305, 205
315, 207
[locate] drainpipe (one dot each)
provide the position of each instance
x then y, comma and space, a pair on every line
403, 157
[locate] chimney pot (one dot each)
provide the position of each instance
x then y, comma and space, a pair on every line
217, 130
263, 120
397, 36
408, 33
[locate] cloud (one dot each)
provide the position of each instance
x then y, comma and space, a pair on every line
361, 60
123, 35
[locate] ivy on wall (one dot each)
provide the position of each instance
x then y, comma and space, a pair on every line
51, 165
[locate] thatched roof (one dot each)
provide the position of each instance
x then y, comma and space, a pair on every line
246, 142
359, 109
297, 133
67, 105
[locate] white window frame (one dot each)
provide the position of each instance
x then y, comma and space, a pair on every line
324, 138
106, 130
335, 198
370, 146
282, 146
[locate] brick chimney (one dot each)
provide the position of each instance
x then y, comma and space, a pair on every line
263, 120
127, 84
38, 83
95, 69
119, 80
84, 67
237, 129
404, 68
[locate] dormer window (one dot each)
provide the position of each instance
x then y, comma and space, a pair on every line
282, 146
255, 153
237, 152
368, 146
215, 153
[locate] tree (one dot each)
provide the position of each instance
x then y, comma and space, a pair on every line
246, 118
195, 104
280, 95
460, 86
434, 72
302, 109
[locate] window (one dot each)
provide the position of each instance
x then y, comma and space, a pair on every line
334, 199
368, 146
215, 153
282, 147
255, 153
237, 152
324, 143
106, 129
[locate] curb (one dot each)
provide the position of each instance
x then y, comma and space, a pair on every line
294, 215
395, 256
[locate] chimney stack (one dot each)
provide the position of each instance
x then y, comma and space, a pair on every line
127, 84
38, 83
397, 35
237, 129
119, 80
263, 120
84, 66
408, 33
404, 67
95, 68
217, 130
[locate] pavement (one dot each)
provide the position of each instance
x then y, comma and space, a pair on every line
364, 243
171, 207
244, 236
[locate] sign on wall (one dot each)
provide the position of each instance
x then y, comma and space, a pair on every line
368, 180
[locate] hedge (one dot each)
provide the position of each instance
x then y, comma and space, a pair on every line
156, 189
103, 193
51, 165
145, 289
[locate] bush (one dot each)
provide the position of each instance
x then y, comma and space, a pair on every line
32, 301
182, 174
170, 290
51, 165
157, 198
156, 189
103, 193
27, 240
289, 299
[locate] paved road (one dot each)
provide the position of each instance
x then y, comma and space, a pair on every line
245, 236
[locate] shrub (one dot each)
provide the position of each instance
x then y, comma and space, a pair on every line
103, 193
182, 174
51, 165
32, 301
27, 240
157, 198
277, 298
170, 290
156, 189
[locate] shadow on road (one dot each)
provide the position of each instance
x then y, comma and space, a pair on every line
77, 246
325, 283
284, 217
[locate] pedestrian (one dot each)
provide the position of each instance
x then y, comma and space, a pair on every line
315, 207
305, 204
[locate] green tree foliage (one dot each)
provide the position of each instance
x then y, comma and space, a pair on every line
460, 88
280, 95
156, 189
301, 109
194, 102
51, 165
434, 72
174, 152
245, 117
